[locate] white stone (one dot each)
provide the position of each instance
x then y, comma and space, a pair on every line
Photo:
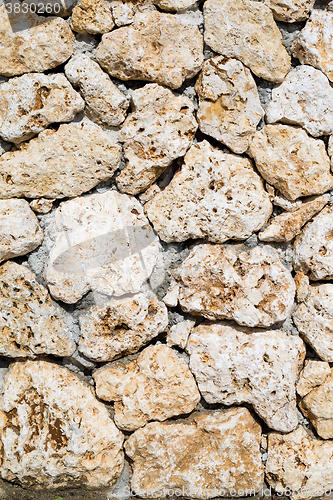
313, 374
92, 16
290, 11
178, 334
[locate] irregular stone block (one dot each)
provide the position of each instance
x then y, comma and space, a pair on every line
178, 334
290, 11
41, 206
92, 16
313, 374
174, 5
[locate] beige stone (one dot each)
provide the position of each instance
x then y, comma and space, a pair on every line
105, 104
234, 365
286, 226
290, 11
313, 374
178, 334
209, 455
169, 50
41, 206
29, 103
57, 164
304, 98
122, 327
92, 16
215, 196
229, 105
246, 30
159, 130
54, 432
296, 164
250, 287
174, 5
20, 232
102, 242
157, 385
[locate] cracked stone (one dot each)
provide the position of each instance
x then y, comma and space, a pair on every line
92, 16
313, 374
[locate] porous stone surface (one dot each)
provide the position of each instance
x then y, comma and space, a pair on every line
246, 30
20, 232
92, 16
174, 5
226, 447
157, 385
313, 374
296, 164
41, 205
250, 287
29, 103
170, 51
57, 164
304, 98
215, 196
54, 432
233, 365
30, 323
122, 327
229, 105
178, 334
160, 129
103, 243
290, 11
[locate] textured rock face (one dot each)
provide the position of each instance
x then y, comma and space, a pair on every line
313, 374
229, 106
174, 5
296, 164
224, 282
105, 104
30, 324
92, 16
41, 206
103, 243
155, 386
56, 164
314, 44
158, 131
178, 334
216, 196
20, 232
304, 98
51, 438
299, 462
313, 249
234, 366
170, 51
225, 445
30, 103
290, 11
246, 30
122, 327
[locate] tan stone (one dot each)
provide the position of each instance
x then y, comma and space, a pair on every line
169, 50
174, 5
296, 164
92, 16
105, 104
229, 105
122, 327
215, 196
61, 163
178, 334
290, 11
160, 129
313, 374
29, 103
250, 287
54, 432
209, 455
41, 206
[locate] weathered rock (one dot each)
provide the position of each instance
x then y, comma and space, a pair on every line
229, 105
290, 11
30, 324
313, 249
123, 12
233, 365
157, 385
283, 202
174, 5
62, 8
105, 104
56, 164
250, 287
296, 164
103, 243
178, 334
304, 98
20, 232
313, 374
92, 16
314, 44
215, 196
41, 206
38, 45
299, 464
29, 103
286, 226
246, 30
169, 50
54, 432
209, 455
159, 130
122, 327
